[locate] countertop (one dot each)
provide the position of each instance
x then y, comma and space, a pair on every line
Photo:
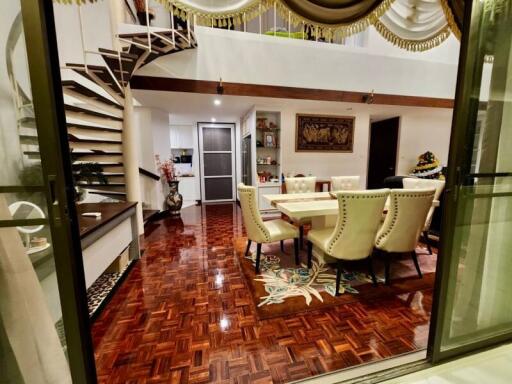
109, 211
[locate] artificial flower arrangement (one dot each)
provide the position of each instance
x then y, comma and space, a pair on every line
166, 168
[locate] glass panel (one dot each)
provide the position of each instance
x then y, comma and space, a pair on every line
217, 164
479, 290
219, 188
216, 139
32, 342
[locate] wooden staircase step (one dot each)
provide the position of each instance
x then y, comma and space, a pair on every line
85, 111
95, 152
124, 55
28, 122
74, 139
29, 140
101, 73
149, 214
102, 186
83, 90
113, 194
93, 128
113, 164
34, 155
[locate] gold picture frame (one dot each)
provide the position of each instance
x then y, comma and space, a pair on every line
321, 133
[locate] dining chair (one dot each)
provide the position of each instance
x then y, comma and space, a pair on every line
415, 183
353, 237
403, 224
300, 184
260, 231
345, 183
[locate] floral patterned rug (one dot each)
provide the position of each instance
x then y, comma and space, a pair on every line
282, 287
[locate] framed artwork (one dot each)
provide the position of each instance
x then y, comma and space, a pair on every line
269, 139
318, 133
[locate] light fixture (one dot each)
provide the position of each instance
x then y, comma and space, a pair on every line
368, 98
217, 102
220, 87
213, 119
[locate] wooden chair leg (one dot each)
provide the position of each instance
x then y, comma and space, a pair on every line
387, 267
310, 254
258, 255
301, 236
371, 271
296, 249
248, 247
338, 277
427, 241
416, 264
282, 245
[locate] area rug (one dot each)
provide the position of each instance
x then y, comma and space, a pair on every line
282, 288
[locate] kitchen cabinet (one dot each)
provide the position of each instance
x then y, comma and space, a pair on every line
182, 136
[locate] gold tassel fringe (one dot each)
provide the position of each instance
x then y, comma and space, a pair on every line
450, 19
412, 45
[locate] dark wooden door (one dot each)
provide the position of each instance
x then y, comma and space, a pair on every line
383, 149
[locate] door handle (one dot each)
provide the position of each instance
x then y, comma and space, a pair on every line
54, 199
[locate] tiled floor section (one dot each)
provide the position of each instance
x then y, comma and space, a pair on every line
185, 315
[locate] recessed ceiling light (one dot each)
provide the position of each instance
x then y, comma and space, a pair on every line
213, 119
217, 102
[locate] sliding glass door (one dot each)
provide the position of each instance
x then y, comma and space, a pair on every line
44, 332
473, 293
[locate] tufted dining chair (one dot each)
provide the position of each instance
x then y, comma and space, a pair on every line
345, 183
301, 185
353, 237
261, 231
403, 224
415, 183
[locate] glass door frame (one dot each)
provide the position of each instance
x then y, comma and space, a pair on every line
465, 113
45, 80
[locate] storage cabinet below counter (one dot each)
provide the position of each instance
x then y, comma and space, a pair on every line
188, 188
267, 189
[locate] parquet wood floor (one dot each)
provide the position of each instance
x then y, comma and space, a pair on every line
185, 315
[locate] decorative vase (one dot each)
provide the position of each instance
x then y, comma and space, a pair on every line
174, 199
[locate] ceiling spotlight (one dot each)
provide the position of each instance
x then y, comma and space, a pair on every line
217, 102
213, 119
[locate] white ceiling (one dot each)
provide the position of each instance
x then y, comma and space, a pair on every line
193, 107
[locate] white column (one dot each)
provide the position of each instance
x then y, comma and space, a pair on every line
131, 157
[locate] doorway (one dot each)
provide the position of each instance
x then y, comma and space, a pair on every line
217, 161
383, 151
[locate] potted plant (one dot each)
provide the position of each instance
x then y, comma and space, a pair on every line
90, 173
174, 199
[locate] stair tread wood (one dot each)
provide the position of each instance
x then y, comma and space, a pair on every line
94, 127
74, 108
83, 90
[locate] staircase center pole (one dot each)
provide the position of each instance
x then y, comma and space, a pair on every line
131, 157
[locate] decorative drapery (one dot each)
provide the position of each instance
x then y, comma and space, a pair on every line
329, 18
415, 25
454, 13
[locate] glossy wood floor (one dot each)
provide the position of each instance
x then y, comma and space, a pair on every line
184, 315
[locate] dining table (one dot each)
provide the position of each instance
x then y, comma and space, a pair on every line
321, 207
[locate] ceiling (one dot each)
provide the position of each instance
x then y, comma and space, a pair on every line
193, 107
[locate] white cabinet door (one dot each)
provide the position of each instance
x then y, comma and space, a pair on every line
264, 205
186, 136
175, 137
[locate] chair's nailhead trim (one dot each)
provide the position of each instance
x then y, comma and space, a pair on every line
342, 218
254, 213
395, 211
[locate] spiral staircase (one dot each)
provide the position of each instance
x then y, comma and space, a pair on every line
94, 103
95, 118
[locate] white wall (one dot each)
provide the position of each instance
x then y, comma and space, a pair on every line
153, 130
258, 59
421, 129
